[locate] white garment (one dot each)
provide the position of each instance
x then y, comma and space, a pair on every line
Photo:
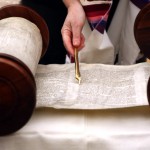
121, 32
103, 48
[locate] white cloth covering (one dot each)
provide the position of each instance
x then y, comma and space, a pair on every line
58, 129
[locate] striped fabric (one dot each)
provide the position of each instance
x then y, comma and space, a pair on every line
97, 14
140, 3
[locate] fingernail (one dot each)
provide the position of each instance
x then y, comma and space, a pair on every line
76, 42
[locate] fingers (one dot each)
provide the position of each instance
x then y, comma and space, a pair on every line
78, 41
67, 40
82, 42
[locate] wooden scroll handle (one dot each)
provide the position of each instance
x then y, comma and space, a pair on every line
142, 35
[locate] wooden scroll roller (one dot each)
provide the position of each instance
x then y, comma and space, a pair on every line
142, 35
24, 39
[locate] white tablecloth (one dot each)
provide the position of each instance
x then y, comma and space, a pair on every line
58, 129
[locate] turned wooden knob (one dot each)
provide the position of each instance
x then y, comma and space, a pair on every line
17, 94
18, 63
142, 35
142, 30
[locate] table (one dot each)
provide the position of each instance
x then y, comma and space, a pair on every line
59, 129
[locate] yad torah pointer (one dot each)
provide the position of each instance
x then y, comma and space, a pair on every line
77, 70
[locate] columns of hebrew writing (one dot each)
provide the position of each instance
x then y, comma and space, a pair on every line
22, 39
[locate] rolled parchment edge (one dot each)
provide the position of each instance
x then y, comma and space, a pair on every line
18, 10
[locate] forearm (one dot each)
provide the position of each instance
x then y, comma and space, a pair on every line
68, 3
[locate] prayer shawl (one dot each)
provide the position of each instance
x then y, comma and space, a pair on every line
97, 15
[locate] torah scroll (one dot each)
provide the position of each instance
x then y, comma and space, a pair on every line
24, 38
102, 86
